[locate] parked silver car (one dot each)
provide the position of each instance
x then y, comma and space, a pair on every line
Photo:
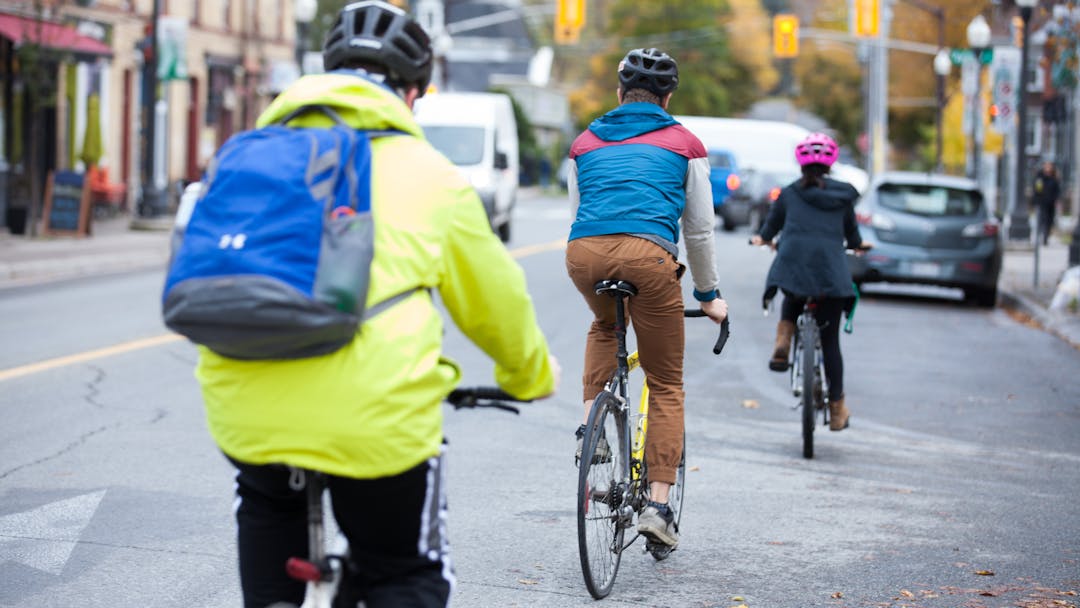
932, 229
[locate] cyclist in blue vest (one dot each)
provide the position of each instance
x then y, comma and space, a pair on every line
817, 216
633, 176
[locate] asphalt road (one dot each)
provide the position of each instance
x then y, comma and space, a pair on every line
961, 459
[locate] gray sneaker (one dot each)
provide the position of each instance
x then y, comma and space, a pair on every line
657, 523
603, 451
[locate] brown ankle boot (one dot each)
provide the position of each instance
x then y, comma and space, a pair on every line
838, 415
784, 331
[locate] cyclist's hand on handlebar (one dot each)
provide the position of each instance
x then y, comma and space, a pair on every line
862, 248
715, 309
757, 241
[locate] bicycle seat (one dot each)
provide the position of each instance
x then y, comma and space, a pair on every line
615, 288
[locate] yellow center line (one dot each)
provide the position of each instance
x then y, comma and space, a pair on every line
108, 351
127, 347
528, 250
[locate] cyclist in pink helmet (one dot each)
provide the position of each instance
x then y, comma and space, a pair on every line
817, 217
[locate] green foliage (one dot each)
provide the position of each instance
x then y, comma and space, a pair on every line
711, 79
831, 87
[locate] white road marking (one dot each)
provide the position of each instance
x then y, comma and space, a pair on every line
43, 538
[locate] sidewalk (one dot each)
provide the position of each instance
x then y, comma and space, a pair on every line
1019, 291
122, 244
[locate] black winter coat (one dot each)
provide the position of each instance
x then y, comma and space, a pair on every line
816, 222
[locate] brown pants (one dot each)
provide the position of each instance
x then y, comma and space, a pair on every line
657, 314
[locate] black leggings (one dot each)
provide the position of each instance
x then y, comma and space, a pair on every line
395, 526
828, 315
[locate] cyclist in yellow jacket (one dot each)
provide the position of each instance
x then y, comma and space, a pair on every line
370, 414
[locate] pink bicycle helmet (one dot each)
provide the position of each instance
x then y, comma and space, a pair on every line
817, 148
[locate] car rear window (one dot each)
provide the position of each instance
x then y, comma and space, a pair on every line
719, 161
929, 200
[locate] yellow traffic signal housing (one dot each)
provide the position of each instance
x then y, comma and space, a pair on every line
785, 36
867, 17
569, 19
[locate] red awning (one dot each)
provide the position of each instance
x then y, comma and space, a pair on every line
21, 30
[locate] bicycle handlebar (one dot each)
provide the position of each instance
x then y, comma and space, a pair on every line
483, 396
725, 328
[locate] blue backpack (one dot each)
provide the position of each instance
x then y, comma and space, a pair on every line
274, 262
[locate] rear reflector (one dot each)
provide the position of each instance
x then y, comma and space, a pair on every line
733, 182
774, 193
971, 266
303, 570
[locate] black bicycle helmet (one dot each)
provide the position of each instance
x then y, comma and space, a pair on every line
649, 69
374, 32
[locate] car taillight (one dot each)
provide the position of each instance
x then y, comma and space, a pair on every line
774, 193
982, 229
733, 182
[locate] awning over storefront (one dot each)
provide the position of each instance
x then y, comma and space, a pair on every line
22, 30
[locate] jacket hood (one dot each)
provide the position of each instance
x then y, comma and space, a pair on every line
631, 120
361, 103
834, 195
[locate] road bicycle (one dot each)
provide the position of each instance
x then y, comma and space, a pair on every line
613, 485
327, 569
806, 363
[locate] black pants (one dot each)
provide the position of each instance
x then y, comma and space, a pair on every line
395, 527
1046, 222
828, 315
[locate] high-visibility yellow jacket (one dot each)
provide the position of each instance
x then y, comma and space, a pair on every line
373, 408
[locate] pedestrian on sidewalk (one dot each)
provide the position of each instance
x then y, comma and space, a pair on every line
1046, 191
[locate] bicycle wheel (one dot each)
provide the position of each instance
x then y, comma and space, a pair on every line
808, 341
602, 487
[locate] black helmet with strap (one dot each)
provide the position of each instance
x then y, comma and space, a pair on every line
379, 34
649, 69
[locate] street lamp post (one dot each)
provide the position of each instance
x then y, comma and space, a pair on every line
304, 13
942, 67
978, 36
1018, 220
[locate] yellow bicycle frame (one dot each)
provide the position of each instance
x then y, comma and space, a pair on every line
637, 447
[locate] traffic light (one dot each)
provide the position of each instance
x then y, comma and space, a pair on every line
569, 19
867, 17
785, 36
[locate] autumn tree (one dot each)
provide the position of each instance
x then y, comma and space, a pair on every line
713, 81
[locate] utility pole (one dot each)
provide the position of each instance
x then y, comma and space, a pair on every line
153, 198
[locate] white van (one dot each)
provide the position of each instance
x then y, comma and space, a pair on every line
478, 133
764, 145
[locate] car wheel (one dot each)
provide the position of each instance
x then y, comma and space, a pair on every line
982, 297
729, 224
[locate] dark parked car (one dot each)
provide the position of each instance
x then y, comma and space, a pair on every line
760, 187
931, 229
724, 177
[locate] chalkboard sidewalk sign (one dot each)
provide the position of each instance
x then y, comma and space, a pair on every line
67, 204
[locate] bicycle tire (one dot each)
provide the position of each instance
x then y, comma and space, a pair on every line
602, 488
809, 406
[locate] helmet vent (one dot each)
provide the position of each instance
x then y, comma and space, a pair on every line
385, 19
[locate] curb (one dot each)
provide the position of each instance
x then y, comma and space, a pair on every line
1050, 322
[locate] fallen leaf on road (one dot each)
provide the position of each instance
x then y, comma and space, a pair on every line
695, 468
837, 596
985, 572
906, 593
989, 594
737, 598
750, 404
527, 581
